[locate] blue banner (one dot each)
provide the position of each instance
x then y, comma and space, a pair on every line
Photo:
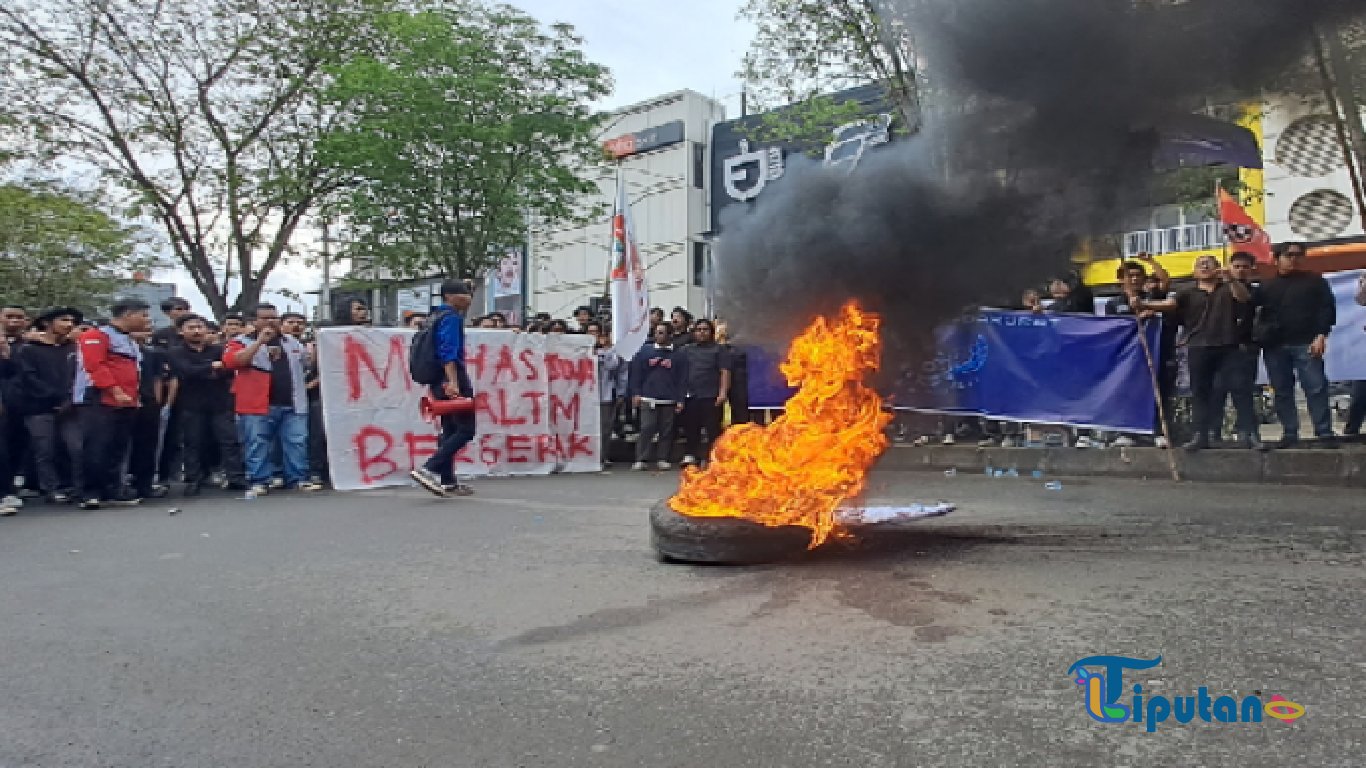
1075, 370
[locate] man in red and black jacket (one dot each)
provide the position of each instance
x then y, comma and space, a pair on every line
106, 394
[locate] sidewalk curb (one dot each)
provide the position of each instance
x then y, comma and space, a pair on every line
1345, 467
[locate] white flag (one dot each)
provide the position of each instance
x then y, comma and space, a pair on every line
630, 295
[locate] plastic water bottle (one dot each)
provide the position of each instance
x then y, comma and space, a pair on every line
1054, 486
989, 471
998, 473
1038, 474
1012, 472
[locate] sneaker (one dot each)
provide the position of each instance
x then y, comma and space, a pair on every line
259, 490
156, 492
428, 479
277, 483
308, 486
948, 439
989, 442
8, 511
457, 490
1198, 443
125, 499
663, 466
689, 459
90, 504
921, 442
1124, 441
12, 501
639, 466
59, 497
1160, 442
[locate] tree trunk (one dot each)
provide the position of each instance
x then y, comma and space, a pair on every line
1347, 94
1341, 96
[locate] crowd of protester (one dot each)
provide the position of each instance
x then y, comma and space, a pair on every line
1218, 329
108, 413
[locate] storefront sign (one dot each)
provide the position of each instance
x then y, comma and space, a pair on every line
645, 141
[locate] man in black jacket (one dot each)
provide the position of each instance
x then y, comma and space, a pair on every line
46, 368
204, 405
1298, 311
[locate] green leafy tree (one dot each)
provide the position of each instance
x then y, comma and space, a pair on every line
206, 115
805, 50
464, 121
60, 249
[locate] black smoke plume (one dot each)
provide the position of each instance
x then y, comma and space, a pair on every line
1037, 137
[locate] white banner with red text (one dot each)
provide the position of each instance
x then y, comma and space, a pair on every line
536, 399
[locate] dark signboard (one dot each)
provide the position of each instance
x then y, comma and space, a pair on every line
644, 141
743, 165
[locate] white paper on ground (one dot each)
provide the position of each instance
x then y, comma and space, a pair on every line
872, 515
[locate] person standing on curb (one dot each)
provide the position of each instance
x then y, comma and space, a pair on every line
1209, 312
658, 385
447, 328
1298, 311
709, 376
106, 397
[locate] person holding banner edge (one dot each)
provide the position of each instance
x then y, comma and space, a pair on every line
457, 430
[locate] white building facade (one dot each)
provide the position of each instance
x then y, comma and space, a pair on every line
661, 145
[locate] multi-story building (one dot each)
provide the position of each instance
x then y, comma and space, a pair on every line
661, 151
1303, 193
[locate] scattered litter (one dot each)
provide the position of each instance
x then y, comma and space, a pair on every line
871, 515
175, 511
1054, 486
951, 472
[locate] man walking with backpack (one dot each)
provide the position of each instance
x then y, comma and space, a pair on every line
437, 359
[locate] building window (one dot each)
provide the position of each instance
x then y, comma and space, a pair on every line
699, 265
699, 165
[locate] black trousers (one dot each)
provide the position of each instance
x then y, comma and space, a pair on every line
1238, 380
49, 435
142, 449
203, 431
700, 413
1208, 367
456, 431
171, 448
106, 433
15, 435
317, 440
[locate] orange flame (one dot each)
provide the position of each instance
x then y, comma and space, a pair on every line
798, 469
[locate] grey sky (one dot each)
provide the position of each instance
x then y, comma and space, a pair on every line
657, 47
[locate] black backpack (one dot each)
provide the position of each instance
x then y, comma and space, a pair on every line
422, 363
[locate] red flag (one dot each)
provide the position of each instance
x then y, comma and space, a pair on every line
1243, 232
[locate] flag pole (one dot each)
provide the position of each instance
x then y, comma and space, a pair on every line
611, 226
1157, 396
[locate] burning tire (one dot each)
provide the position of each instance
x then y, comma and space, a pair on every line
722, 540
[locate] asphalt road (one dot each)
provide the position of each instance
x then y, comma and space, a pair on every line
530, 626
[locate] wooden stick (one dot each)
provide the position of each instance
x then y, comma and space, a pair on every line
1157, 396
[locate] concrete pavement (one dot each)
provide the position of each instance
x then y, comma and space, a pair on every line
530, 626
